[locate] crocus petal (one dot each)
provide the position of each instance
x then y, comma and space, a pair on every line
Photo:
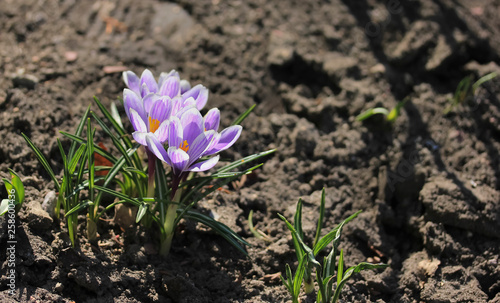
132, 81
157, 148
164, 76
199, 93
185, 86
178, 159
148, 79
140, 137
199, 146
148, 101
204, 165
227, 138
160, 110
170, 87
175, 132
192, 124
212, 119
137, 121
132, 100
162, 132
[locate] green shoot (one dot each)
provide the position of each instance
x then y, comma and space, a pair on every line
325, 271
466, 90
15, 191
391, 116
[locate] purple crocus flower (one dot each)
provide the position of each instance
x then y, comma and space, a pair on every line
189, 139
153, 118
169, 84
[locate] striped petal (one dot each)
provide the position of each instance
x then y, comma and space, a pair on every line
157, 148
199, 93
175, 138
132, 81
192, 124
137, 121
170, 87
162, 132
178, 160
132, 101
140, 137
148, 81
204, 165
199, 146
227, 138
212, 119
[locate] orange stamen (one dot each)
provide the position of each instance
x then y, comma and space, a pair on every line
153, 124
184, 146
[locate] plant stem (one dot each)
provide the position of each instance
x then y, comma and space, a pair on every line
169, 224
147, 220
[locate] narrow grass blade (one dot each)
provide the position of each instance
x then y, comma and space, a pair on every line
118, 195
42, 161
372, 111
119, 129
237, 163
299, 276
482, 80
78, 132
332, 235
97, 148
340, 270
83, 205
91, 163
321, 217
76, 158
244, 115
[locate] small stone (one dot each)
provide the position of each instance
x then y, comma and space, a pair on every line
26, 81
37, 217
49, 203
59, 287
70, 56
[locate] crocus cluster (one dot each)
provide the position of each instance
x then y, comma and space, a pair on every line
167, 120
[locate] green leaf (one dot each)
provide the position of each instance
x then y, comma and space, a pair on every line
332, 235
116, 115
91, 163
304, 247
299, 275
227, 233
118, 195
119, 129
97, 148
42, 161
244, 115
76, 158
372, 111
143, 208
321, 217
340, 270
482, 80
4, 207
352, 270
78, 132
18, 186
391, 117
247, 159
83, 205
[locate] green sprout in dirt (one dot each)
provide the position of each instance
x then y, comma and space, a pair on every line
15, 191
391, 116
467, 90
325, 271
